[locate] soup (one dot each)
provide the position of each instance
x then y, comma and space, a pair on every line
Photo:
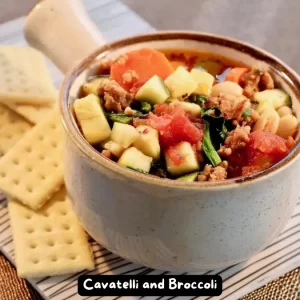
186, 115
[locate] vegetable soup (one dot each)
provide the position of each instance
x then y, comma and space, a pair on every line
186, 115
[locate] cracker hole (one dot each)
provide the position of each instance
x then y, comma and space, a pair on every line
15, 161
22, 130
54, 144
30, 230
55, 164
28, 216
8, 80
2, 174
46, 214
72, 256
66, 227
53, 126
69, 242
63, 212
33, 245
10, 89
28, 149
16, 181
26, 90
8, 136
41, 157
35, 260
28, 169
50, 243
53, 258
41, 137
42, 176
48, 228
29, 189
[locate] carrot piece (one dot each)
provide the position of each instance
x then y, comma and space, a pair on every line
236, 74
133, 69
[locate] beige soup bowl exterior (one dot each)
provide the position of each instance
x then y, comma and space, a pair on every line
159, 223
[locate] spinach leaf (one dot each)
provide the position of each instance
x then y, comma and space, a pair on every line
218, 129
158, 167
208, 147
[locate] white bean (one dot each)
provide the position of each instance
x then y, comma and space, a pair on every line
287, 126
268, 121
284, 110
226, 87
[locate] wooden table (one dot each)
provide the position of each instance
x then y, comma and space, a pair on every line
117, 21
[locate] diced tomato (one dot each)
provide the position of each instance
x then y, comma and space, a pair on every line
263, 150
144, 63
174, 126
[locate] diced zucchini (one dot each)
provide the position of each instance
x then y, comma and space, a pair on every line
180, 83
192, 108
277, 97
124, 134
204, 82
188, 177
148, 141
134, 159
188, 162
153, 91
93, 86
91, 119
114, 148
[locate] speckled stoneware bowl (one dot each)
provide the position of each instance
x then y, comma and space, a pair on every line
159, 223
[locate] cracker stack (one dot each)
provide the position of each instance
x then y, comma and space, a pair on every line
48, 238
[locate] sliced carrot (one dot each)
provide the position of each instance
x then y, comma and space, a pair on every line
139, 66
236, 74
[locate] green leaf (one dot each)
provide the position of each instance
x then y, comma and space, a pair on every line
208, 147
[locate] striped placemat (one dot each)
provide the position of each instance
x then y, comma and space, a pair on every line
117, 21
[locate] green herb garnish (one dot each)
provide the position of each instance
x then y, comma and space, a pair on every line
146, 107
198, 99
120, 118
247, 113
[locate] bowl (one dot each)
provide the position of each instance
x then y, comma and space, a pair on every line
163, 224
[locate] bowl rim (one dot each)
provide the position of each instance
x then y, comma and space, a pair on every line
93, 155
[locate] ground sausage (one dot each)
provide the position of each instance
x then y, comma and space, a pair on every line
213, 174
231, 106
115, 97
237, 138
257, 80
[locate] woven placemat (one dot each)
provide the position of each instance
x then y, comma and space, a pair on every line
286, 287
